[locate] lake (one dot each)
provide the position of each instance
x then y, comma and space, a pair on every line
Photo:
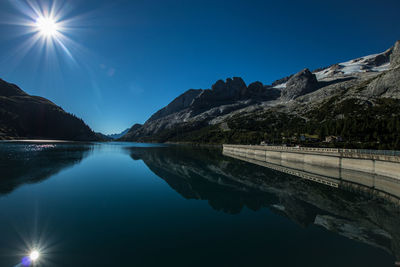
127, 204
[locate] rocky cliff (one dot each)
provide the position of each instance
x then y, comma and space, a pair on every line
26, 116
299, 84
323, 102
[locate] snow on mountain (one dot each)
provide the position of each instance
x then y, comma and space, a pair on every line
372, 63
280, 86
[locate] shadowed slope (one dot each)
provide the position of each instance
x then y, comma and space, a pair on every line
26, 116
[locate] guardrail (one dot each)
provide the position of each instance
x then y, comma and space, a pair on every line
324, 150
372, 152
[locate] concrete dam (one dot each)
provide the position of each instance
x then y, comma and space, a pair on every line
376, 172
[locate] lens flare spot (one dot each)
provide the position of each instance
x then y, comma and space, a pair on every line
34, 255
26, 261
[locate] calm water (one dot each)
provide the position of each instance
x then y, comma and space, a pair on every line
147, 205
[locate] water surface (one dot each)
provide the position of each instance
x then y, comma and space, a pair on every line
126, 204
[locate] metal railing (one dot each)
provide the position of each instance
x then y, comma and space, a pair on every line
395, 153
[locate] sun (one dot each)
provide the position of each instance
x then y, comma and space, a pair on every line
47, 26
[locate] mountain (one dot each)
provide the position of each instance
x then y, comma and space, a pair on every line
357, 100
26, 116
230, 185
118, 135
103, 137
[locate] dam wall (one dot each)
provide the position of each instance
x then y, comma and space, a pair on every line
336, 161
374, 174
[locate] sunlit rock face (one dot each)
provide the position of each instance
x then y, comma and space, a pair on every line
301, 83
387, 85
395, 56
26, 116
231, 185
181, 102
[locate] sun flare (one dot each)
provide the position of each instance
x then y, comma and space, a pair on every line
47, 26
49, 29
34, 255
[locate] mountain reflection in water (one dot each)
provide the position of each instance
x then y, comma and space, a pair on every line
230, 184
24, 163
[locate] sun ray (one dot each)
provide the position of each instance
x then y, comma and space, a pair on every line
51, 45
41, 19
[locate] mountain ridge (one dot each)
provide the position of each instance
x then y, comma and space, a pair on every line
118, 135
34, 117
207, 115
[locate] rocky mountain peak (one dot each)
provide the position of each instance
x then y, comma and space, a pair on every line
181, 102
235, 89
301, 83
256, 87
235, 84
206, 115
395, 56
303, 74
218, 86
230, 88
260, 92
378, 60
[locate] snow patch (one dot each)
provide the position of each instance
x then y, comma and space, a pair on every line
353, 66
280, 86
381, 67
323, 73
278, 207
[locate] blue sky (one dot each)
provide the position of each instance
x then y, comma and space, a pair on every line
129, 58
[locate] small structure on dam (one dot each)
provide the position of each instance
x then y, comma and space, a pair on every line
376, 172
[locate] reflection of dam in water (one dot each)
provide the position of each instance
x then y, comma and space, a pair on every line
317, 170
231, 185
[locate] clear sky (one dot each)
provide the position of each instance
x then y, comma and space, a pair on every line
123, 60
